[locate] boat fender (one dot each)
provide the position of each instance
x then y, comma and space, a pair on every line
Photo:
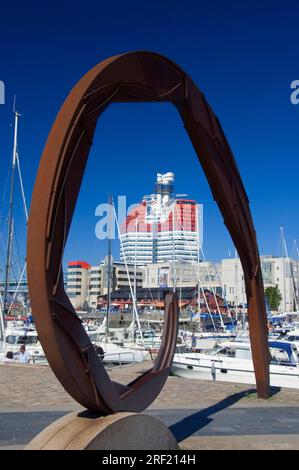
213, 371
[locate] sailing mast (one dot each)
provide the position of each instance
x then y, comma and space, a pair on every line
2, 329
289, 271
109, 271
236, 285
129, 279
135, 275
173, 253
295, 257
10, 216
283, 268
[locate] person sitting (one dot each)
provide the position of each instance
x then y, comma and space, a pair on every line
24, 356
9, 357
100, 352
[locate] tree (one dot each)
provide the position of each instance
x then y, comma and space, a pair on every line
273, 296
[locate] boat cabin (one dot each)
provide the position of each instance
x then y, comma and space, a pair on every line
281, 352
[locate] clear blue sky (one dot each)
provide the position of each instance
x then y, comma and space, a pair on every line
242, 55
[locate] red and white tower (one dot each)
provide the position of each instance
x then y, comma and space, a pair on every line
162, 227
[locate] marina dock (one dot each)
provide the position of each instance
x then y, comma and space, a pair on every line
201, 414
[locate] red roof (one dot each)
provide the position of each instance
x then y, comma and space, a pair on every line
80, 264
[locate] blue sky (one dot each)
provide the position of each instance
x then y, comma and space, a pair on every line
242, 55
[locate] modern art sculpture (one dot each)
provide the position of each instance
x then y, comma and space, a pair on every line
132, 77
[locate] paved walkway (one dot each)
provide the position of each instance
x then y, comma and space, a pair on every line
18, 428
201, 414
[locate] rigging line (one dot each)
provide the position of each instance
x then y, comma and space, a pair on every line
51, 228
22, 186
220, 282
151, 294
293, 255
96, 90
16, 244
279, 245
197, 269
213, 290
17, 288
124, 83
17, 250
4, 192
129, 279
3, 243
2, 325
91, 253
154, 97
103, 103
5, 187
289, 271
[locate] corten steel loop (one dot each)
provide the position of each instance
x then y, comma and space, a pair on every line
133, 77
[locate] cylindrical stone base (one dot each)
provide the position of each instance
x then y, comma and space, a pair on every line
119, 431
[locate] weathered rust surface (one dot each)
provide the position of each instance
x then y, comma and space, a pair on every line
133, 77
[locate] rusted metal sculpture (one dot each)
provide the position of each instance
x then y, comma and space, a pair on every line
132, 77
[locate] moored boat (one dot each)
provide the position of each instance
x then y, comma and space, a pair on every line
232, 362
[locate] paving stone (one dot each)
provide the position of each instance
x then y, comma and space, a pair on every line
196, 411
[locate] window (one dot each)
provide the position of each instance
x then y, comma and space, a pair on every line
11, 339
28, 340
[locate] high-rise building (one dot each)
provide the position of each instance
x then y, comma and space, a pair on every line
162, 227
77, 282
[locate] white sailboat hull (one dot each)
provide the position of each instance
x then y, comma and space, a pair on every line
125, 357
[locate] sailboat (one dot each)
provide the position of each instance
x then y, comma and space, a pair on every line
127, 352
200, 339
12, 335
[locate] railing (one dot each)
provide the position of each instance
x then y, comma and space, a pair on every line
118, 359
38, 359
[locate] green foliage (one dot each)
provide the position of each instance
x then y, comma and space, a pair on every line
273, 296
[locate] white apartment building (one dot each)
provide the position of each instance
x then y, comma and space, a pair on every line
182, 274
281, 272
87, 283
97, 274
99, 279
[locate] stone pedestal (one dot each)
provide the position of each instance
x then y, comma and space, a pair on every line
119, 431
